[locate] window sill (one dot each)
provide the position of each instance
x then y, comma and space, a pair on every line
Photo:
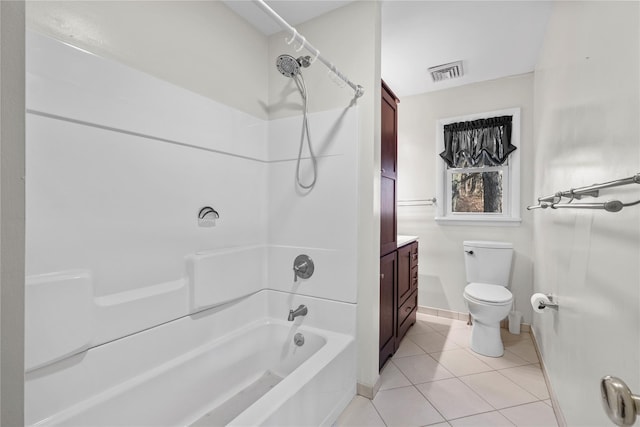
471, 221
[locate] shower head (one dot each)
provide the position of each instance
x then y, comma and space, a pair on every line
290, 66
287, 65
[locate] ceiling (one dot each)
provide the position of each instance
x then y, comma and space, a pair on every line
292, 11
493, 39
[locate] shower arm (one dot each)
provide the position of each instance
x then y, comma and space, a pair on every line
304, 43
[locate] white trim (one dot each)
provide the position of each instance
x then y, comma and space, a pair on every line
511, 185
480, 220
555, 404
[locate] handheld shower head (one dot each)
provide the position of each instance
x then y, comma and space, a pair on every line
287, 65
290, 66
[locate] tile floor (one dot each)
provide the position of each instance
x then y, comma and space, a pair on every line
434, 379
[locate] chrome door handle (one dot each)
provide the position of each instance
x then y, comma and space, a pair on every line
619, 403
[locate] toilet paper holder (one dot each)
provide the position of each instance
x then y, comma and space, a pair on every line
550, 304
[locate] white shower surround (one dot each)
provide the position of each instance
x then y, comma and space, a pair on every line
119, 163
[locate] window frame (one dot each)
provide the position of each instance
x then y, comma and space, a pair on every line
510, 215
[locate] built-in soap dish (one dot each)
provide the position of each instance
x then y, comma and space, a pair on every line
207, 217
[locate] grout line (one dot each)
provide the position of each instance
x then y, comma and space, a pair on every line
401, 373
431, 403
379, 414
479, 413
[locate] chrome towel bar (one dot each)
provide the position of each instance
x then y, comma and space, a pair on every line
420, 202
554, 201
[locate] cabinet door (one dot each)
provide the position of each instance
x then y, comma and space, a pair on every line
388, 235
404, 273
388, 265
389, 134
388, 163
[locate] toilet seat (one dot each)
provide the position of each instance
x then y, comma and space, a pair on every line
485, 293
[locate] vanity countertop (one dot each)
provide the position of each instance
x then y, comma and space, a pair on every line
403, 240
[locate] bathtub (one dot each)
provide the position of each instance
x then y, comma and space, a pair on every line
184, 373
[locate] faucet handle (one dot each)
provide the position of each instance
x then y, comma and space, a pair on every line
302, 267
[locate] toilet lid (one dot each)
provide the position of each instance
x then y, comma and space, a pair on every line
488, 293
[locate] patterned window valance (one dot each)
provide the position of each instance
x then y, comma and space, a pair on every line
484, 142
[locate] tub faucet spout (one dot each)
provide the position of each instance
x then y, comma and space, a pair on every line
300, 311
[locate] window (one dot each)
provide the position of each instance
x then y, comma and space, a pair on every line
478, 169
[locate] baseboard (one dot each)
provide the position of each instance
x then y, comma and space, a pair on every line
554, 399
524, 327
367, 391
457, 315
449, 314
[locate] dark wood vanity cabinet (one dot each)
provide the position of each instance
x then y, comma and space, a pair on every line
398, 297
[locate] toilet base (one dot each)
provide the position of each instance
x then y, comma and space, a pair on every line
486, 339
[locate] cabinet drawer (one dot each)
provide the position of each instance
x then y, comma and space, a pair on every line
404, 274
414, 254
409, 305
408, 313
414, 278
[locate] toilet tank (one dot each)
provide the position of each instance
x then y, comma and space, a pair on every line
488, 262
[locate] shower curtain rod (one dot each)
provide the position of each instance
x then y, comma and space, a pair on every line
304, 43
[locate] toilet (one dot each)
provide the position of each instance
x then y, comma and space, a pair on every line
488, 267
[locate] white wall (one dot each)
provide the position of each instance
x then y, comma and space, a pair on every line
350, 38
12, 221
199, 45
441, 267
587, 130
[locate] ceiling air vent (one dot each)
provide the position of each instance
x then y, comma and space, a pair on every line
446, 71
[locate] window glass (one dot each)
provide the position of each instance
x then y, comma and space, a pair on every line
478, 192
